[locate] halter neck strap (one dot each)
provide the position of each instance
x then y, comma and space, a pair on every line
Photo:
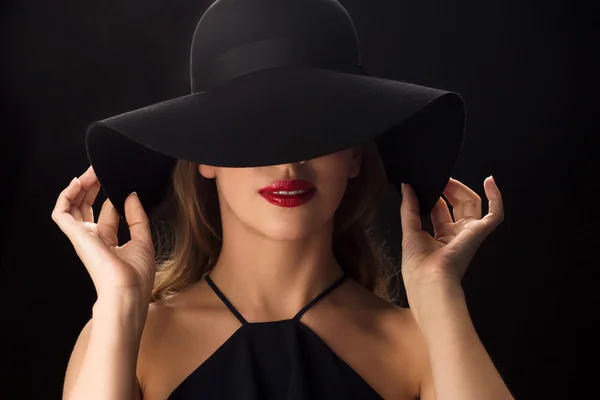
300, 313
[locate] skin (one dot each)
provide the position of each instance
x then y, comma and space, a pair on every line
273, 261
284, 253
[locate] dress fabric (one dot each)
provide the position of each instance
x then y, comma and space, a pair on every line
278, 360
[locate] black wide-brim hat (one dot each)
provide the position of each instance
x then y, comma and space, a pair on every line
277, 82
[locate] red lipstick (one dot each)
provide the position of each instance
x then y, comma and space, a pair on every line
289, 193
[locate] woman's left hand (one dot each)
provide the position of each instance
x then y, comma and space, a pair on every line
445, 257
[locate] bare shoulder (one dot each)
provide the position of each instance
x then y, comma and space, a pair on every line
162, 322
397, 328
398, 321
163, 315
391, 316
168, 318
180, 332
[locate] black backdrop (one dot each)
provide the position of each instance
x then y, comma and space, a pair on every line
520, 66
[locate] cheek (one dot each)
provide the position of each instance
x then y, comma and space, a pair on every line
331, 191
338, 166
335, 170
234, 188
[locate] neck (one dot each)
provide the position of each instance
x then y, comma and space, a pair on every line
274, 279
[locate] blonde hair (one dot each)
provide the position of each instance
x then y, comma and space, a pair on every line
188, 240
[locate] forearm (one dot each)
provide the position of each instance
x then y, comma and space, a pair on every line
108, 369
461, 368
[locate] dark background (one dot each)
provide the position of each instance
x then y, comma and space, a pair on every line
522, 68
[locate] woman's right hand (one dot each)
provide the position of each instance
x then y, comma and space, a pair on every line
115, 270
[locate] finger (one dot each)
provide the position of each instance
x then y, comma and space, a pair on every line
495, 213
66, 196
87, 211
89, 190
88, 174
108, 224
139, 226
79, 210
87, 180
440, 216
61, 214
465, 202
409, 211
75, 211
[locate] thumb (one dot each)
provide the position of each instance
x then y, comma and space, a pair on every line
409, 211
139, 226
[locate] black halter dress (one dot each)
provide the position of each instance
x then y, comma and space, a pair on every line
283, 360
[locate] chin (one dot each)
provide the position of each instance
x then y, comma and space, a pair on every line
288, 231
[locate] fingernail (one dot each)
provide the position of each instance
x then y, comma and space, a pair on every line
402, 188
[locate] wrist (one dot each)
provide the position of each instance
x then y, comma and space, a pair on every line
121, 312
434, 289
126, 300
434, 300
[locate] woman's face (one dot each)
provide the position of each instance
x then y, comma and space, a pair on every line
307, 198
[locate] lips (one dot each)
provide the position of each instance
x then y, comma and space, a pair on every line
289, 193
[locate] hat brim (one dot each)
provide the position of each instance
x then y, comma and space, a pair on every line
278, 116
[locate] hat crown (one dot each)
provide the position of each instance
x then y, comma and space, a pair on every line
236, 37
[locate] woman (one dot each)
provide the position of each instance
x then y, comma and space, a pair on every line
272, 286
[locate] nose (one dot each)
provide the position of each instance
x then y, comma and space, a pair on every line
291, 167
